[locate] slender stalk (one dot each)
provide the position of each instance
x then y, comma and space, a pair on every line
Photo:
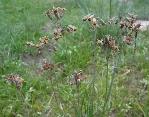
107, 75
108, 95
78, 97
135, 42
93, 73
48, 111
53, 92
112, 81
110, 5
135, 48
94, 56
27, 113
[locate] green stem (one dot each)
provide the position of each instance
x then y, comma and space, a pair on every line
111, 84
94, 74
94, 56
135, 43
110, 13
108, 93
107, 75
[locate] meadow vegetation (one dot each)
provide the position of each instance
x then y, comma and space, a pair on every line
89, 59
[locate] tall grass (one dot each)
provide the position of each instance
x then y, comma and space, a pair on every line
109, 89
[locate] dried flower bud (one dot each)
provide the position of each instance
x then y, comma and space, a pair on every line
91, 18
44, 40
88, 17
71, 28
47, 66
122, 24
94, 21
128, 40
15, 80
109, 42
129, 22
31, 44
58, 33
99, 42
113, 20
57, 12
77, 77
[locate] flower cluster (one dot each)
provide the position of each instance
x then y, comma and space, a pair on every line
47, 66
113, 20
71, 29
57, 12
98, 22
77, 77
42, 41
59, 31
15, 80
128, 40
128, 22
129, 28
108, 42
92, 20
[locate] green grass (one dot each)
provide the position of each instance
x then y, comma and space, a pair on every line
22, 21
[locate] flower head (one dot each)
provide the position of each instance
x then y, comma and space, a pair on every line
128, 40
71, 28
57, 12
47, 66
15, 80
77, 77
109, 42
92, 20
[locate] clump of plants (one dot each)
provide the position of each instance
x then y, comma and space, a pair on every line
111, 46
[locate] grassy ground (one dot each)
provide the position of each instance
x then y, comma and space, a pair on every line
49, 93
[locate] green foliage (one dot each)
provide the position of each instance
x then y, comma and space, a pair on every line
50, 93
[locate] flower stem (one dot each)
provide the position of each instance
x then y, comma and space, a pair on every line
107, 75
109, 91
135, 43
110, 5
93, 73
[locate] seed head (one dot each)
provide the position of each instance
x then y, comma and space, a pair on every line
77, 77
71, 28
47, 66
57, 12
42, 41
31, 44
58, 33
92, 20
128, 40
109, 42
15, 80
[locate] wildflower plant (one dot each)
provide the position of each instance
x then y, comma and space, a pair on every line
82, 74
110, 45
